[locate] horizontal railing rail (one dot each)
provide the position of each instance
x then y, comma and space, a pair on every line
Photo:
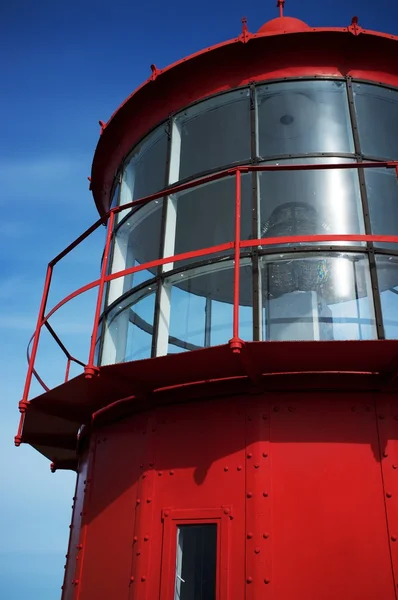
234, 245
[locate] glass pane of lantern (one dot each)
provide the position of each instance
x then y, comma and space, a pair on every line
377, 116
129, 328
201, 302
317, 297
310, 202
382, 190
299, 117
196, 562
149, 165
215, 133
146, 170
137, 241
204, 216
387, 273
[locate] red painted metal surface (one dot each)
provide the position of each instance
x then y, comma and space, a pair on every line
298, 484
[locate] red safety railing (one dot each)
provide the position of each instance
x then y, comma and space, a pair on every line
236, 245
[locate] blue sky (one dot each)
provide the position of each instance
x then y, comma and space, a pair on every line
64, 66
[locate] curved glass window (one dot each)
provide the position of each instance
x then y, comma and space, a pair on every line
310, 202
137, 241
322, 292
201, 306
204, 216
387, 273
129, 328
145, 173
214, 133
382, 191
377, 115
317, 297
301, 117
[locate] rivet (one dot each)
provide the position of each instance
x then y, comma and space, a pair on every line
257, 550
394, 538
143, 578
146, 538
389, 494
266, 580
265, 417
256, 466
249, 455
265, 454
225, 468
160, 474
249, 535
249, 494
141, 466
249, 580
171, 472
226, 511
149, 500
143, 475
276, 408
138, 552
132, 579
151, 464
265, 536
265, 494
394, 466
381, 416
385, 455
238, 468
135, 538
166, 513
79, 546
290, 408
138, 501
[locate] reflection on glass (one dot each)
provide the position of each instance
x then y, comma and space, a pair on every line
317, 297
215, 133
387, 273
115, 196
146, 170
196, 562
205, 216
310, 202
201, 302
382, 190
303, 117
377, 116
129, 329
137, 241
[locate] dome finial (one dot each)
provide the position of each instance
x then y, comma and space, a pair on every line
281, 6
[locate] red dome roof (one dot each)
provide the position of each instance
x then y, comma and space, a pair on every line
283, 24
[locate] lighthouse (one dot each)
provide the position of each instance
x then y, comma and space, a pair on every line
234, 428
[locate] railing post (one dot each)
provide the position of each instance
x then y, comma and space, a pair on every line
67, 370
90, 369
236, 343
24, 403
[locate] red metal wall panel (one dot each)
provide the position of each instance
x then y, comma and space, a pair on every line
296, 477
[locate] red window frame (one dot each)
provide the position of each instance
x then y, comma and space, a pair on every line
172, 518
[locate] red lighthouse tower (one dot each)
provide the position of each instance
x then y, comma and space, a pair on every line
234, 430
